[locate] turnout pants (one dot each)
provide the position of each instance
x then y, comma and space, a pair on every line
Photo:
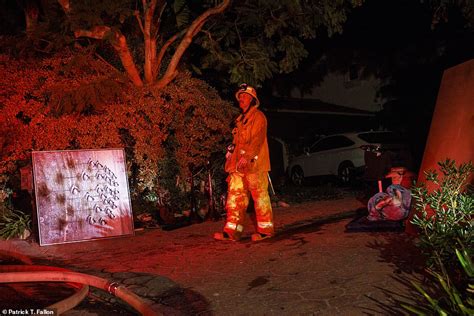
239, 186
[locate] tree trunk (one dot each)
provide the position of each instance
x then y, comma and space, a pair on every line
119, 43
31, 17
149, 39
126, 57
150, 57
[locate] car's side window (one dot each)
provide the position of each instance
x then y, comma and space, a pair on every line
332, 142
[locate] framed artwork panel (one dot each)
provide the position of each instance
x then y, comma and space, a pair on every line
81, 195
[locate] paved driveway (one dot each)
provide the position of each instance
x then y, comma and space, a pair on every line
312, 267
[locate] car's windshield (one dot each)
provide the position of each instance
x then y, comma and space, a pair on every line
382, 137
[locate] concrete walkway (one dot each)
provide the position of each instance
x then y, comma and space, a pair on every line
312, 266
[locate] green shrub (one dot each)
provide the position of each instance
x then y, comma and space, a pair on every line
12, 223
15, 224
445, 219
445, 215
449, 300
5, 193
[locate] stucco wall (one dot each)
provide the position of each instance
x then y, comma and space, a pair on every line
451, 133
338, 89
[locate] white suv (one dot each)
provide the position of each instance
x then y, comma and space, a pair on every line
341, 155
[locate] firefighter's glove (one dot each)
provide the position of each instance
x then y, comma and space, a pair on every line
230, 151
242, 163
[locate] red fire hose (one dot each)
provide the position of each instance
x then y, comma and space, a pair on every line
33, 273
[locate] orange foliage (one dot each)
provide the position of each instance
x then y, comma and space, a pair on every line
188, 117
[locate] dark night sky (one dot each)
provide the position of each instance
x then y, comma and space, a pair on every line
388, 37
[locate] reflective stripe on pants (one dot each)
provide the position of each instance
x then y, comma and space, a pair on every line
238, 199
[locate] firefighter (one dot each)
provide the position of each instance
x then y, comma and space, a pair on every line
247, 164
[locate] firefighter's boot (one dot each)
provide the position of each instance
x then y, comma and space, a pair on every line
260, 237
223, 237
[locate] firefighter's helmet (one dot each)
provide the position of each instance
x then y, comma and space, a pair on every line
245, 88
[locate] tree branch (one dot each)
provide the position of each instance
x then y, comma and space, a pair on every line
158, 22
119, 42
214, 45
149, 11
97, 32
240, 40
198, 28
150, 42
66, 5
193, 29
161, 55
31, 11
136, 13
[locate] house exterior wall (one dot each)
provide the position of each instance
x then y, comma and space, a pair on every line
452, 125
340, 90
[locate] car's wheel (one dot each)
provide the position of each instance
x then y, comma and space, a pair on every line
297, 176
345, 173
